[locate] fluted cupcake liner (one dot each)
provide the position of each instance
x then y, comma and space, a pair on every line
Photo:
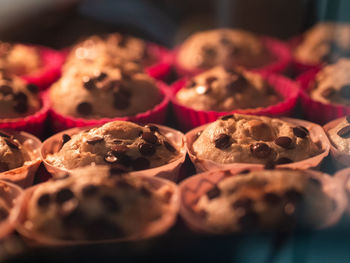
196, 186
154, 228
317, 111
189, 118
157, 114
317, 135
279, 50
162, 67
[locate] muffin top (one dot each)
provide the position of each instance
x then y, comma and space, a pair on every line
19, 59
12, 153
120, 144
108, 50
340, 135
325, 42
96, 203
332, 84
17, 99
211, 48
265, 200
98, 92
224, 89
254, 139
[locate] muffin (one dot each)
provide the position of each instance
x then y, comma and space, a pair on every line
254, 139
120, 144
332, 84
207, 49
19, 59
17, 99
4, 209
340, 135
265, 200
98, 203
325, 42
225, 89
104, 92
109, 50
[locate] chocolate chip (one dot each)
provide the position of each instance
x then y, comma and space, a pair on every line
20, 107
203, 89
269, 165
213, 193
94, 139
101, 77
283, 160
146, 149
5, 90
11, 143
284, 142
344, 132
4, 167
248, 221
237, 85
110, 158
152, 128
300, 131
65, 138
225, 41
116, 170
149, 137
110, 204
245, 171
20, 97
209, 51
125, 92
210, 80
64, 195
140, 163
74, 218
272, 198
89, 190
3, 213
123, 158
244, 202
44, 200
169, 147
260, 150
89, 85
4, 134
348, 118
328, 92
84, 108
345, 91
222, 141
293, 196
119, 149
33, 88
120, 101
113, 84
226, 117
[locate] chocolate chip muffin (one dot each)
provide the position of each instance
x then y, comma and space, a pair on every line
207, 49
109, 50
265, 200
12, 152
89, 207
19, 59
340, 135
17, 99
332, 84
254, 139
224, 89
104, 92
325, 42
120, 144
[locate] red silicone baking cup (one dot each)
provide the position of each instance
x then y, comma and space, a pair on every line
11, 194
196, 186
170, 171
158, 114
162, 67
340, 159
317, 135
24, 175
155, 228
34, 124
189, 118
50, 70
314, 110
278, 49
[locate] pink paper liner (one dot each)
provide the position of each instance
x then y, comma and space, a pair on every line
34, 124
162, 67
314, 110
317, 134
340, 159
11, 197
168, 171
278, 49
50, 71
189, 118
158, 114
343, 176
155, 228
24, 176
194, 187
